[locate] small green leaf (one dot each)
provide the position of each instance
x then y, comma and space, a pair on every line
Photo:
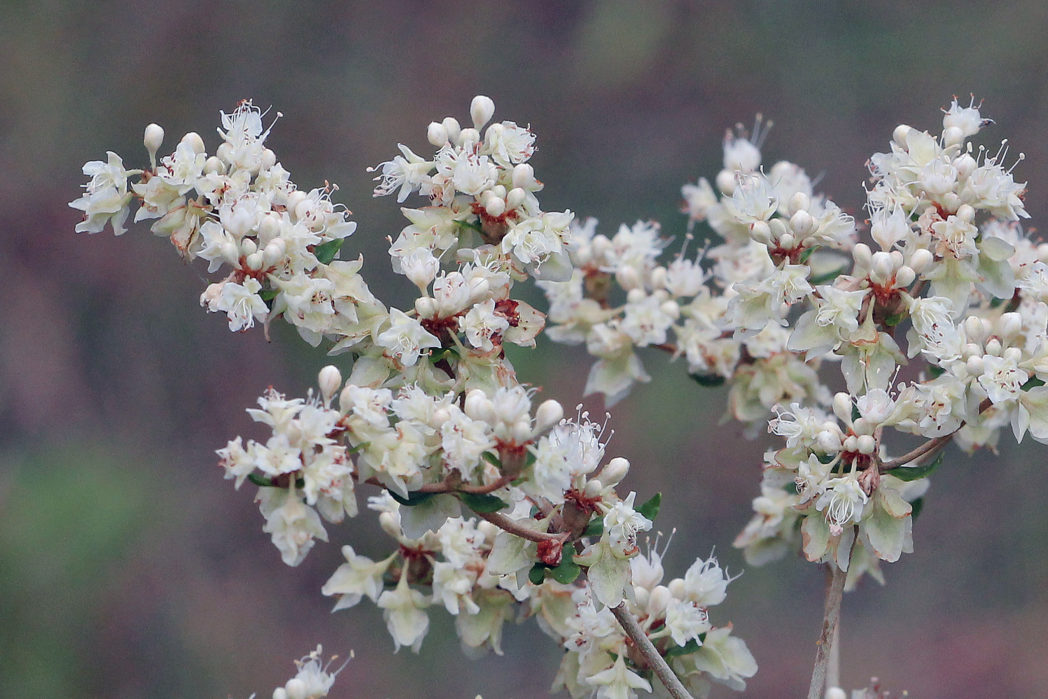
707, 379
568, 570
492, 459
893, 320
260, 481
530, 459
594, 528
791, 488
935, 370
412, 499
855, 412
915, 507
326, 252
916, 472
537, 574
806, 254
268, 294
360, 447
1034, 382
827, 276
482, 503
689, 647
650, 509
825, 458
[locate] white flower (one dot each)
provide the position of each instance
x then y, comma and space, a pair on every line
313, 679
404, 614
240, 302
405, 338
621, 524
843, 502
292, 525
106, 198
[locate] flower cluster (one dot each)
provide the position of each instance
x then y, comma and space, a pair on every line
501, 508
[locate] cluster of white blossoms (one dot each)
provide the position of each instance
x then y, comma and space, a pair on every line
499, 508
314, 678
790, 290
503, 509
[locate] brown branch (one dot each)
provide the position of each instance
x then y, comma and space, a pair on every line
654, 659
514, 527
831, 618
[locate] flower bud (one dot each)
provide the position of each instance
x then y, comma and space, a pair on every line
481, 109
426, 307
593, 488
881, 269
254, 261
904, 276
451, 128
828, 441
802, 223
921, 259
193, 140
659, 600
268, 159
798, 202
296, 688
966, 213
274, 252
965, 165
952, 136
478, 406
862, 255
214, 166
436, 134
548, 414
974, 365
495, 206
835, 693
993, 347
851, 443
1010, 324
787, 241
153, 138
842, 407
677, 588
726, 182
900, 134
515, 197
614, 471
390, 524
761, 232
468, 137
247, 247
523, 176
867, 444
329, 380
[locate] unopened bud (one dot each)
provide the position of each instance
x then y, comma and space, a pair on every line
153, 139
726, 182
952, 136
799, 202
881, 267
329, 380
451, 128
920, 259
761, 232
900, 134
254, 261
523, 176
274, 251
214, 166
426, 307
842, 407
677, 589
904, 276
478, 406
593, 488
193, 140
495, 206
548, 414
835, 693
390, 524
481, 109
1010, 324
268, 159
867, 444
802, 223
436, 134
468, 137
862, 255
966, 213
659, 600
993, 346
515, 197
614, 471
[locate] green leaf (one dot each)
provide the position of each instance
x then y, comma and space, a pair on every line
482, 503
825, 458
855, 412
1034, 382
568, 570
594, 528
893, 320
412, 499
827, 276
916, 472
916, 507
326, 252
791, 488
707, 379
260, 481
935, 370
537, 574
530, 459
806, 254
492, 459
689, 647
650, 509
360, 447
268, 294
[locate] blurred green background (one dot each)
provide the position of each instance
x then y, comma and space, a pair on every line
129, 568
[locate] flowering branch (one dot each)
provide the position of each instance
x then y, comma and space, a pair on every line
824, 650
651, 655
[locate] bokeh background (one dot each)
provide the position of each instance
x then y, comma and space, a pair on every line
129, 568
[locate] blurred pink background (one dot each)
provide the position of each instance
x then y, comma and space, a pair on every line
129, 568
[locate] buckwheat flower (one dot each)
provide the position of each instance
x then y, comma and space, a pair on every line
240, 302
933, 331
106, 197
405, 338
621, 524
292, 525
464, 441
452, 587
1001, 377
618, 681
407, 171
313, 680
725, 658
244, 137
686, 621
843, 502
404, 614
237, 462
217, 246
706, 583
833, 320
509, 144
